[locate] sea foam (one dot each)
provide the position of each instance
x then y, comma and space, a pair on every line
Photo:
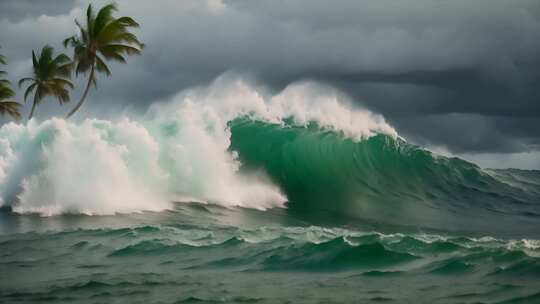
177, 151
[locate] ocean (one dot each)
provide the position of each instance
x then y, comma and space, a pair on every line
230, 197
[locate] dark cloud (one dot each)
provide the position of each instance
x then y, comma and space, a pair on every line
461, 74
19, 9
465, 133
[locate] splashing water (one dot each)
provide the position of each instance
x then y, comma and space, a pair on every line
178, 151
336, 207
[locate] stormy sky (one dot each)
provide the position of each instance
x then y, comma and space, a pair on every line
459, 77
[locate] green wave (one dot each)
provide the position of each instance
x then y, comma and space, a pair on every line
302, 250
380, 178
334, 255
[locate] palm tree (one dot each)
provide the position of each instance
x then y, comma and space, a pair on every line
51, 77
7, 107
103, 38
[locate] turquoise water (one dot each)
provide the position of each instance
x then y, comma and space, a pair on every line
373, 221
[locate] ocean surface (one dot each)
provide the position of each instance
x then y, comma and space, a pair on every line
198, 203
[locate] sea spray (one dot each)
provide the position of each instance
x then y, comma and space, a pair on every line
103, 167
179, 150
233, 145
361, 207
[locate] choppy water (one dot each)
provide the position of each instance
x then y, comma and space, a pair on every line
305, 202
209, 254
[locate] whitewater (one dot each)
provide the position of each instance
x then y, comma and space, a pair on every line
177, 151
229, 193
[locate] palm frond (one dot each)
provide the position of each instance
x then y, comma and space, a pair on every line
123, 48
2, 58
35, 63
127, 22
62, 65
70, 41
90, 20
11, 108
84, 32
46, 62
41, 92
115, 32
111, 54
61, 94
62, 82
23, 80
103, 17
6, 92
102, 67
29, 90
83, 65
61, 60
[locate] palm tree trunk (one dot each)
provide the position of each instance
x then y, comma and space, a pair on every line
84, 94
34, 103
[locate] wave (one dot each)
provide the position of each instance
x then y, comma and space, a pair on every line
335, 255
178, 151
231, 144
382, 178
269, 249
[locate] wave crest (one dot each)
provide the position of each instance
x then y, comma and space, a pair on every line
178, 151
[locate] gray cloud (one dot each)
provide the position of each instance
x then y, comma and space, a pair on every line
460, 74
19, 9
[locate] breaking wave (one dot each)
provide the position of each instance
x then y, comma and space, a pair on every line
231, 144
178, 151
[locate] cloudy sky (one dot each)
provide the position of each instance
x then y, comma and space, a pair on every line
460, 77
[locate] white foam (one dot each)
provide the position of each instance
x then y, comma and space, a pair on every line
178, 149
